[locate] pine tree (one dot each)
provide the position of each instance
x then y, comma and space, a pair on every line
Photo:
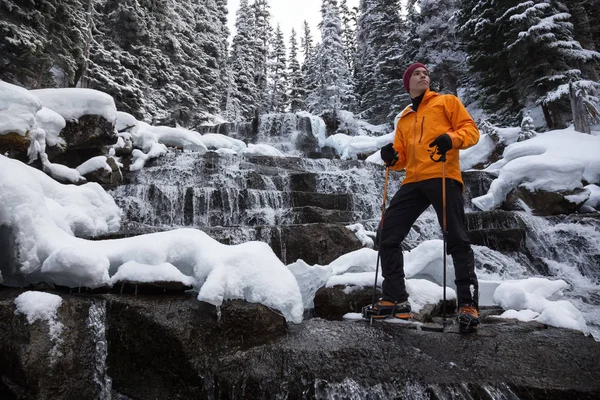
333, 86
42, 42
263, 32
540, 34
379, 60
241, 101
527, 128
120, 56
586, 30
306, 42
278, 74
440, 46
490, 65
348, 19
412, 44
296, 91
223, 46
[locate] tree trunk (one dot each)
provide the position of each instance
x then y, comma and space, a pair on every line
580, 119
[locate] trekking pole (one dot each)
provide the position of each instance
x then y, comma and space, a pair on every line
442, 159
385, 183
444, 235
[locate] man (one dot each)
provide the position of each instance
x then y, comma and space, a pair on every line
433, 126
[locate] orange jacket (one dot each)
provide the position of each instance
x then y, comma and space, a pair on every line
437, 114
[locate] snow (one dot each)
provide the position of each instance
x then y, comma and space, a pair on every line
93, 164
365, 237
349, 147
52, 253
124, 121
261, 150
541, 296
52, 123
553, 161
74, 103
133, 271
40, 306
18, 108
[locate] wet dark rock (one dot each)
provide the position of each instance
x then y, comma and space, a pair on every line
14, 145
32, 366
477, 183
541, 202
313, 243
333, 201
311, 214
159, 287
172, 347
332, 303
90, 131
503, 240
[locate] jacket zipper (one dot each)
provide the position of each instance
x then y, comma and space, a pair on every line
414, 148
422, 127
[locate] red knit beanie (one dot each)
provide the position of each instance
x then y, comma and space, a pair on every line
408, 73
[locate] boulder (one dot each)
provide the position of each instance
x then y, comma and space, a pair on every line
15, 145
33, 366
89, 132
174, 347
313, 243
543, 203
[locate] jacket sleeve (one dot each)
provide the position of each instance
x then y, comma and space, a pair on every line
464, 132
401, 149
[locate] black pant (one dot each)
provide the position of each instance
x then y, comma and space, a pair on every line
404, 209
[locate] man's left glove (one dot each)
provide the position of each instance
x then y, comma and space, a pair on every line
443, 143
389, 155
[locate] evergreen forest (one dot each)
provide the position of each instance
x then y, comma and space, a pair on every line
173, 62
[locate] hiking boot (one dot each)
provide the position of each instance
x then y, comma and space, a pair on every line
468, 319
387, 309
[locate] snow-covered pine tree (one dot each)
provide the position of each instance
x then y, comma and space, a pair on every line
160, 61
364, 78
334, 89
527, 128
210, 27
413, 20
309, 69
379, 60
541, 35
223, 88
263, 32
440, 46
296, 91
585, 15
241, 103
489, 62
22, 45
278, 74
42, 43
306, 41
348, 19
122, 56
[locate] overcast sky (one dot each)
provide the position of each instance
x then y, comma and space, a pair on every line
289, 14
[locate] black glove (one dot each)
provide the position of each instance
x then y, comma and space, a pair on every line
389, 155
443, 143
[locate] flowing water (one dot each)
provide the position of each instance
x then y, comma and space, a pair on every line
97, 324
247, 197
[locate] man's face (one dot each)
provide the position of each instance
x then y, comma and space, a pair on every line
419, 82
